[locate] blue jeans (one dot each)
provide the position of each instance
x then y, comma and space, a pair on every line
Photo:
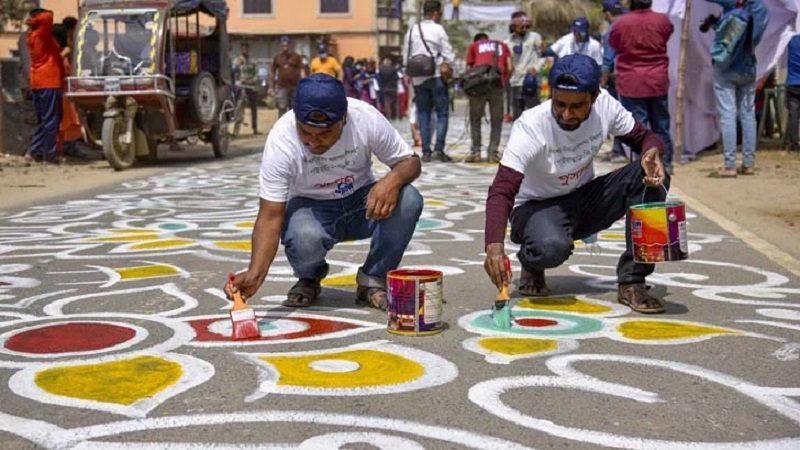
732, 95
429, 96
653, 112
313, 227
48, 114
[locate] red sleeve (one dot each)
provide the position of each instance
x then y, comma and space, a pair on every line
500, 202
642, 138
613, 37
471, 55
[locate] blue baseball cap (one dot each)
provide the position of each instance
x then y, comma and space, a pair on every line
320, 101
579, 73
614, 7
581, 25
284, 39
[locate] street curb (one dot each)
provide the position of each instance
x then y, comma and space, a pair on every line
784, 259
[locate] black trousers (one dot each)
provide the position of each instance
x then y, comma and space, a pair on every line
252, 100
477, 107
793, 105
546, 229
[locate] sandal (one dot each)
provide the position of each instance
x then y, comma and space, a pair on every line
723, 173
636, 297
374, 297
744, 170
533, 284
303, 294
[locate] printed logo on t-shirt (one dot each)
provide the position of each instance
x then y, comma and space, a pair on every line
341, 186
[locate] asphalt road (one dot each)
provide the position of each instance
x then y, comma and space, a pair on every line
114, 334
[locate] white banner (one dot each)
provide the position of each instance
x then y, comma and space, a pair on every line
482, 11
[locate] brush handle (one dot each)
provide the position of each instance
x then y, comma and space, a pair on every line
238, 301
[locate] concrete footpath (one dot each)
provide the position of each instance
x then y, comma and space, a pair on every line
114, 334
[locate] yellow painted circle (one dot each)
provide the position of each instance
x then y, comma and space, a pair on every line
375, 368
508, 346
663, 330
566, 304
240, 246
124, 382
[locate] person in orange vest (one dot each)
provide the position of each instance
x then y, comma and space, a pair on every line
46, 73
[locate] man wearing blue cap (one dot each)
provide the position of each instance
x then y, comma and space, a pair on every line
287, 69
318, 189
546, 182
578, 42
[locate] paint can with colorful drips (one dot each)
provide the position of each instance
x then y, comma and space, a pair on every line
658, 232
415, 301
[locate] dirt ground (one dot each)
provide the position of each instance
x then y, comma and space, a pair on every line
767, 204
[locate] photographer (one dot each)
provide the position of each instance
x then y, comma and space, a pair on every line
734, 60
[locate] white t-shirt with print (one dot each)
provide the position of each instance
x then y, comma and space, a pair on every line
289, 169
566, 45
555, 162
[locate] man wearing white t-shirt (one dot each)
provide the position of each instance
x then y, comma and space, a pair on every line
578, 42
546, 176
317, 189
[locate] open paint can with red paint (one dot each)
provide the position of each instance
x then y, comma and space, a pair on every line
415, 302
658, 232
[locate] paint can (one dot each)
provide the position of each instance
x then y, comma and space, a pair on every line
415, 302
658, 232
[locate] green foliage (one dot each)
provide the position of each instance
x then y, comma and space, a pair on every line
12, 12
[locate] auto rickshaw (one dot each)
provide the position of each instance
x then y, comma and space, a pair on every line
152, 71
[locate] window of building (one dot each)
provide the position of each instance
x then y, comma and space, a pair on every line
334, 6
257, 6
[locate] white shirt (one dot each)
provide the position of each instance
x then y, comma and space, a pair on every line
289, 169
566, 45
527, 59
555, 162
437, 40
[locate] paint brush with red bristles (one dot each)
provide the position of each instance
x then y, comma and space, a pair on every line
243, 319
501, 313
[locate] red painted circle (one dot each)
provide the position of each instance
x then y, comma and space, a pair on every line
69, 337
537, 323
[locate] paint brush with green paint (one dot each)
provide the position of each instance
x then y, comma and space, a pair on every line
501, 313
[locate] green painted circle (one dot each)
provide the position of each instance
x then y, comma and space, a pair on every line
581, 325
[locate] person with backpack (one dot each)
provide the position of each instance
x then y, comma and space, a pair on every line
490, 62
429, 56
639, 39
737, 33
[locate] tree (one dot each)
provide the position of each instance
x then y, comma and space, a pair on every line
12, 12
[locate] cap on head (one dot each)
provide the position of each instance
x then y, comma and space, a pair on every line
614, 7
581, 25
284, 39
577, 73
320, 101
322, 50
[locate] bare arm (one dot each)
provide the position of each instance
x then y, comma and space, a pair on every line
382, 198
265, 240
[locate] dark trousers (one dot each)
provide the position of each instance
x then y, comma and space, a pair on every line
48, 115
653, 112
477, 106
390, 104
252, 100
546, 229
429, 96
793, 105
520, 102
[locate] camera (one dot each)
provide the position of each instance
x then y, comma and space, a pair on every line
709, 22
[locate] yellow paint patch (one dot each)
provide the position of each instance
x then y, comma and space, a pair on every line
650, 330
434, 202
375, 368
135, 237
151, 271
162, 244
132, 230
124, 382
340, 281
507, 346
248, 225
239, 246
612, 236
568, 304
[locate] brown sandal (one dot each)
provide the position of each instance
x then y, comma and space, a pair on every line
533, 284
303, 294
636, 297
374, 297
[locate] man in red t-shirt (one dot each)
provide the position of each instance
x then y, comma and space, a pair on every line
484, 51
46, 74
